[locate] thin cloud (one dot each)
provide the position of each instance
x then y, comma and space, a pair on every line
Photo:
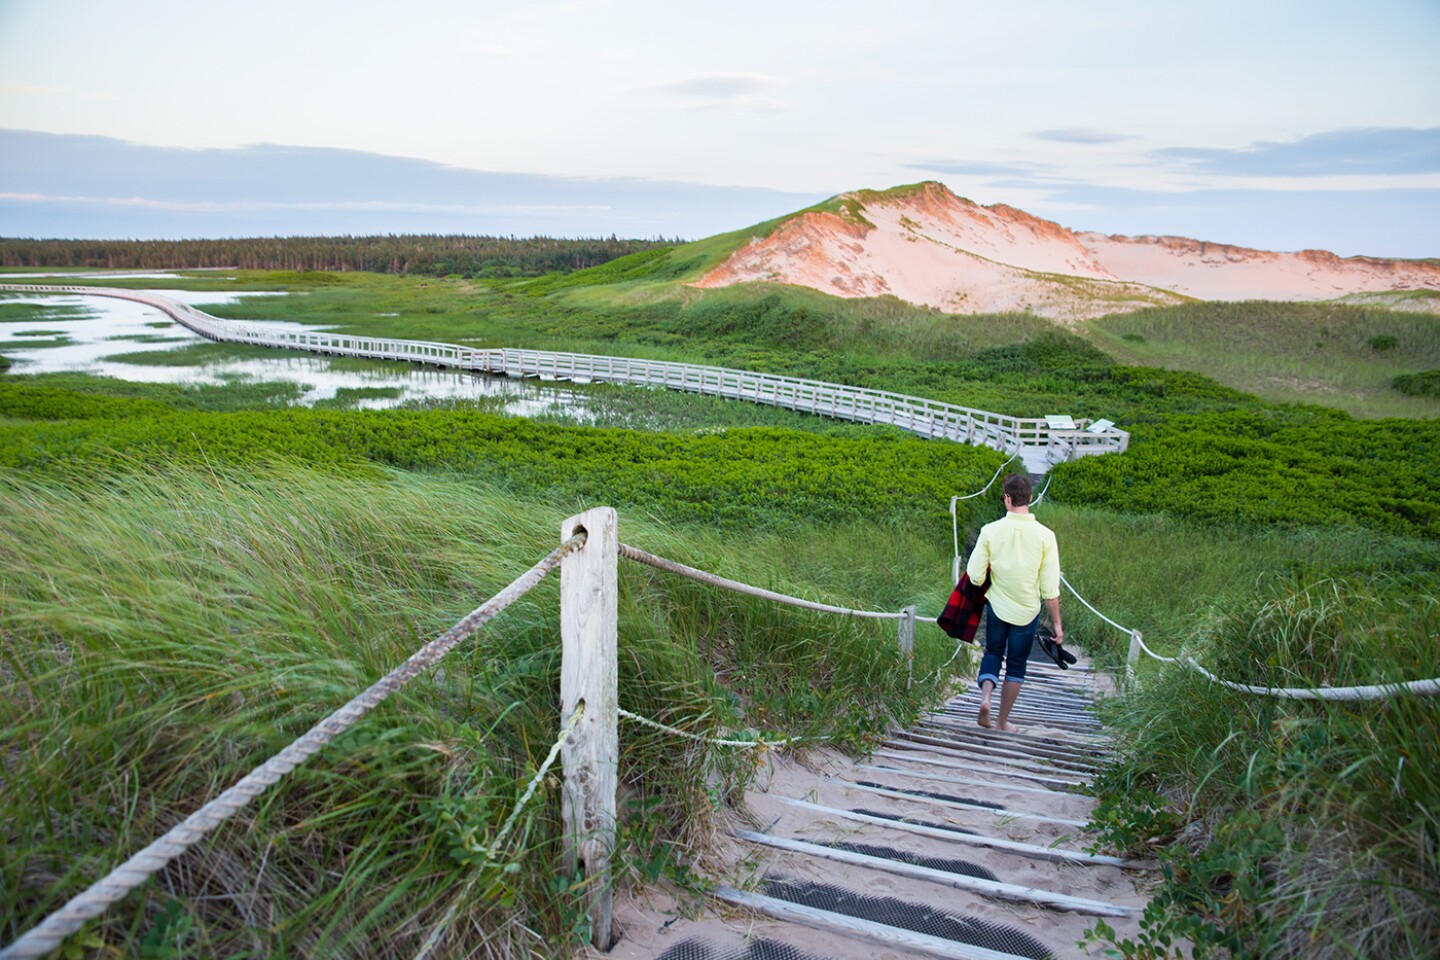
559, 11
723, 91
25, 89
752, 104
1082, 135
1370, 150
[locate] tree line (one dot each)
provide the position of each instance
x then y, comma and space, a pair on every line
427, 254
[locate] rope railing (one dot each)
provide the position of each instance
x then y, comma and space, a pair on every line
534, 784
1374, 691
1121, 627
94, 900
762, 744
700, 576
1043, 490
941, 669
90, 903
955, 514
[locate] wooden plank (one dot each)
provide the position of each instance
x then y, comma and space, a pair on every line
1031, 850
980, 745
1000, 759
1040, 715
1053, 701
964, 724
930, 757
1057, 709
894, 938
1082, 744
588, 676
966, 781
957, 804
994, 889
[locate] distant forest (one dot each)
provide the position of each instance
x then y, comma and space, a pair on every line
427, 254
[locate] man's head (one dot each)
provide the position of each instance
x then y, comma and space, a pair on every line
1017, 490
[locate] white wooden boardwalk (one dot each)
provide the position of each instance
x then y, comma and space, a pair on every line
1039, 445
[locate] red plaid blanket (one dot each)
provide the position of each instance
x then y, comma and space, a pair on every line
961, 617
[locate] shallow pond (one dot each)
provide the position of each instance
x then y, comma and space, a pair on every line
79, 334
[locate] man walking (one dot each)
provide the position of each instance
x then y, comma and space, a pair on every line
1018, 557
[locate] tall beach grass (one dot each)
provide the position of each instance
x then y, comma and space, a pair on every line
166, 631
1285, 829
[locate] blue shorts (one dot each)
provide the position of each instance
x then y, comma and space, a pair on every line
1005, 641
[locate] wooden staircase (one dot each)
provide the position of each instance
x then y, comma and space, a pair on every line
950, 840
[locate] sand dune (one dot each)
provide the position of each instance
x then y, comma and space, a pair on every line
927, 246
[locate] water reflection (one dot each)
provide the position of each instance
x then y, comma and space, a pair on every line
91, 330
106, 275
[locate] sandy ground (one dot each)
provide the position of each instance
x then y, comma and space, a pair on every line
933, 248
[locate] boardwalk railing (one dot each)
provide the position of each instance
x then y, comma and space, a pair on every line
1040, 444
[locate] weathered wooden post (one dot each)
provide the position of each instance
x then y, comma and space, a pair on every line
1133, 657
588, 604
907, 643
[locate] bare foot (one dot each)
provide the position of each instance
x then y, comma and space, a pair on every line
1008, 728
984, 715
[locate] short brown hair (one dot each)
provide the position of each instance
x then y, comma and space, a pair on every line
1017, 487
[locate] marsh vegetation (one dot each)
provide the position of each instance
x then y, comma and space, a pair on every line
189, 575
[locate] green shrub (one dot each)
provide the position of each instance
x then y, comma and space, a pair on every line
747, 476
1287, 466
1383, 342
655, 264
61, 396
25, 399
1426, 384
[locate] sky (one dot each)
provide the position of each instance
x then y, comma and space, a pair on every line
1265, 123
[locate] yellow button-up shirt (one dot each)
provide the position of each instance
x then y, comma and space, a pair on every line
1024, 566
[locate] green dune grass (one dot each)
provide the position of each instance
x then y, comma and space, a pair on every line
167, 631
1339, 356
